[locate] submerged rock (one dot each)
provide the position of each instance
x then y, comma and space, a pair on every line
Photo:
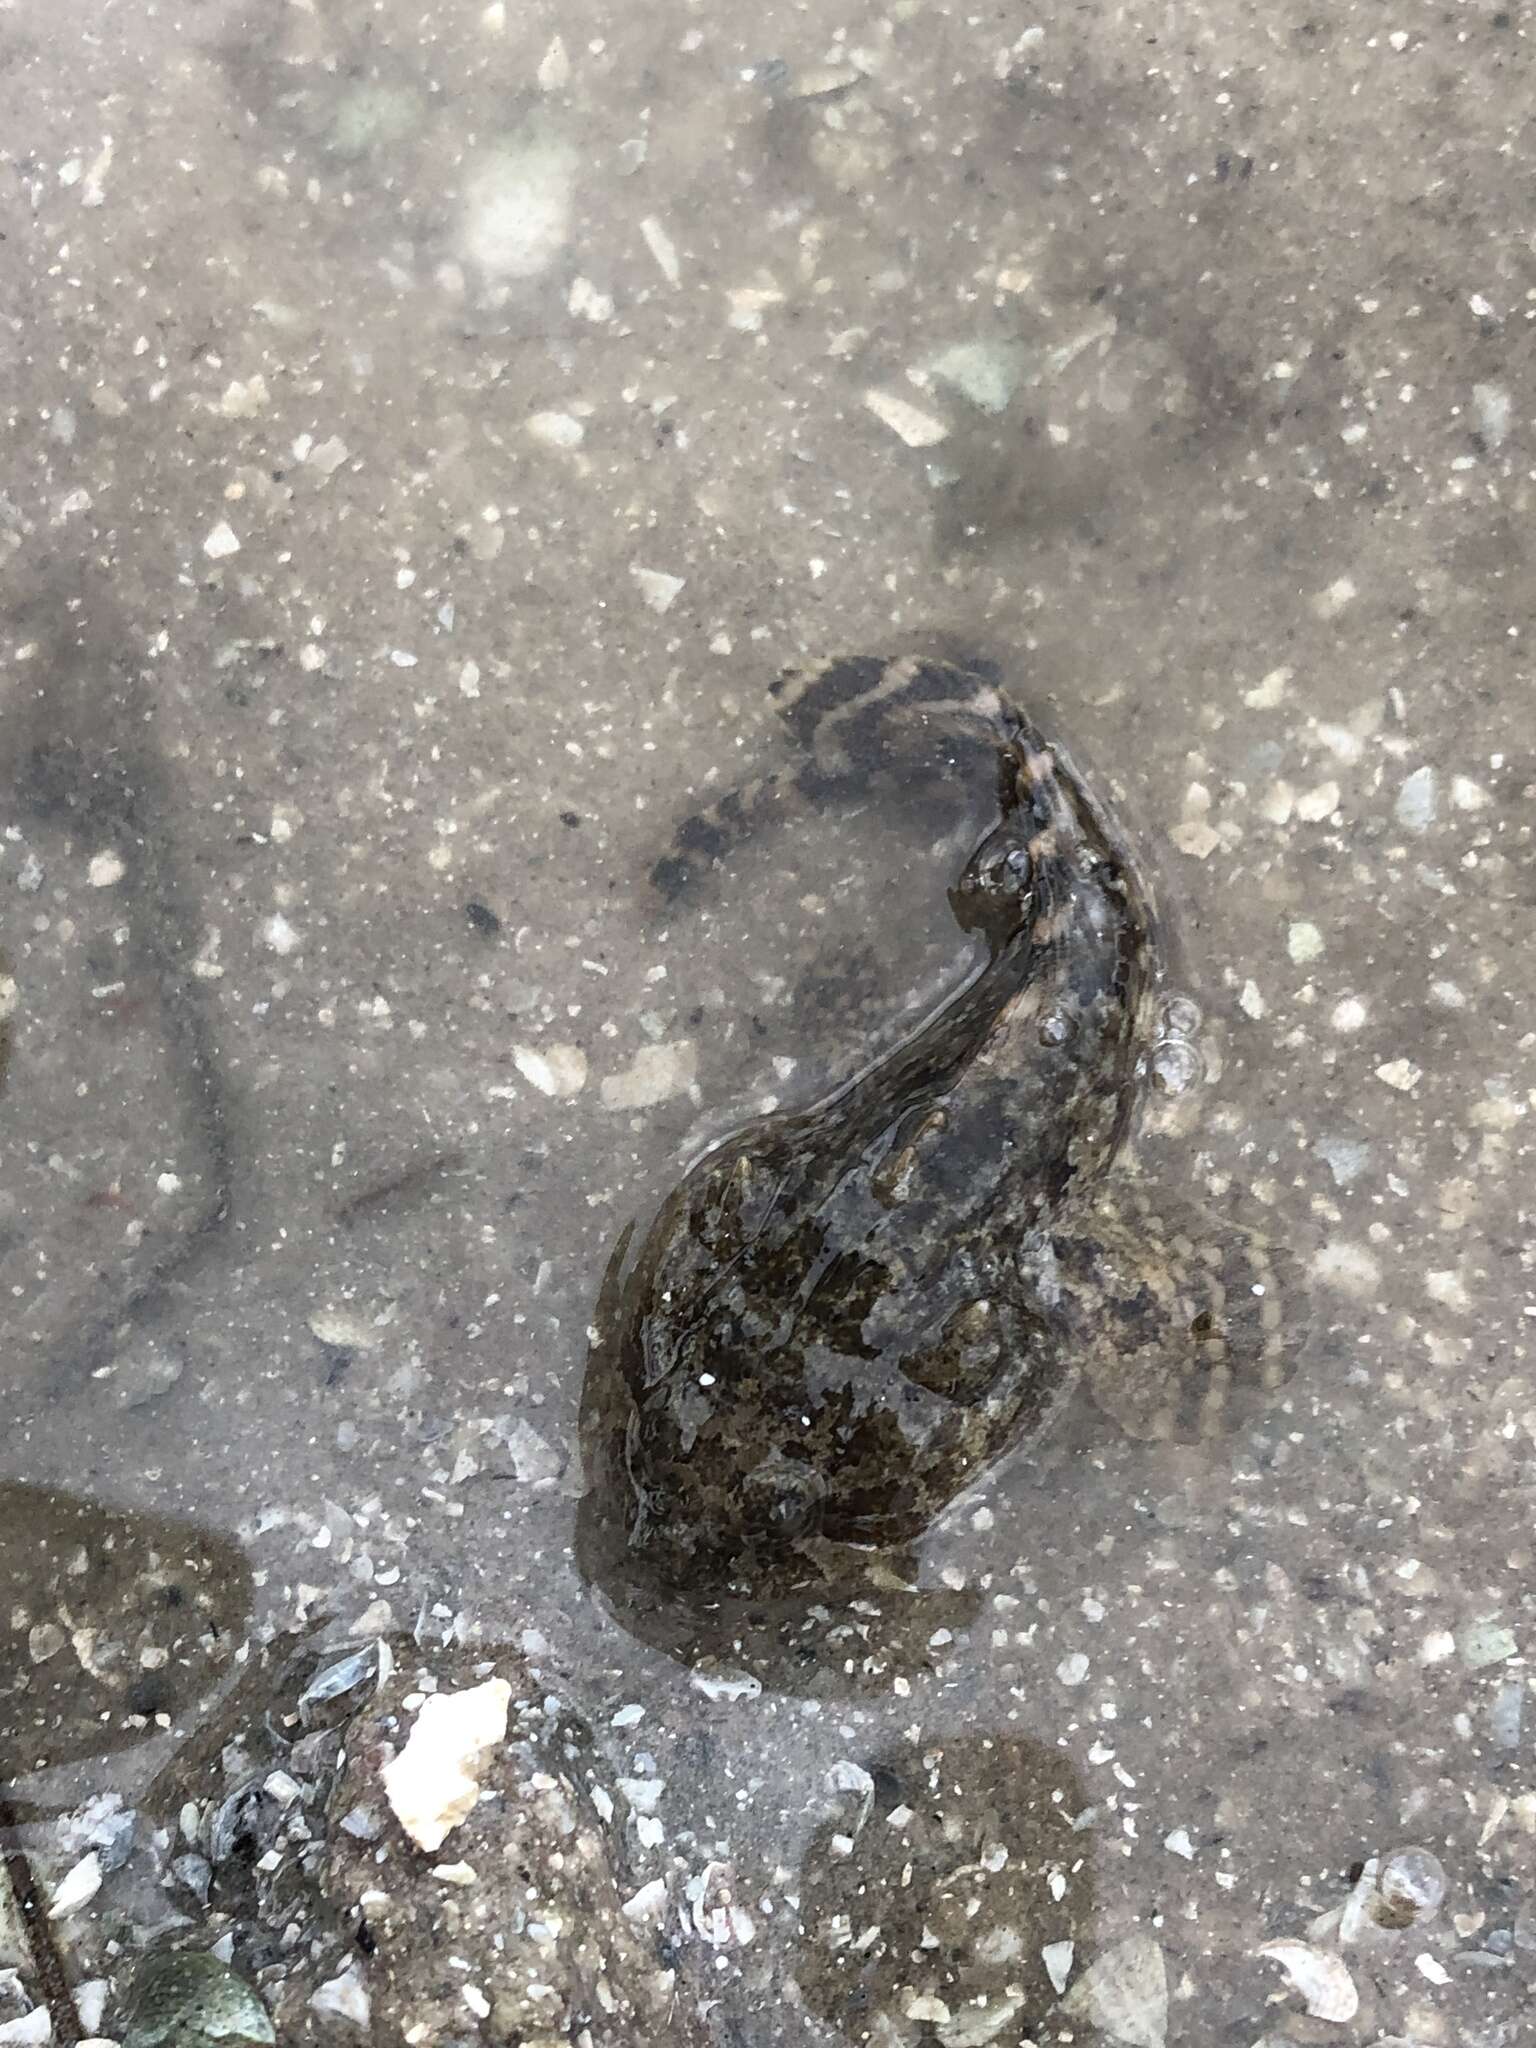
1124, 1993
188, 1999
533, 1907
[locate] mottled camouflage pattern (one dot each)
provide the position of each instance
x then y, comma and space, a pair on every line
845, 1314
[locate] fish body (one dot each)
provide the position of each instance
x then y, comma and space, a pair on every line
843, 1314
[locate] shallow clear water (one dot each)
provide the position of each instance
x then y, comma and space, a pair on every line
428, 433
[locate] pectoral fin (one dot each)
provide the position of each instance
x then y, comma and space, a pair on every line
1187, 1323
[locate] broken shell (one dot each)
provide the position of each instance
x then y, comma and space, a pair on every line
77, 1887
368, 1665
717, 1682
1057, 1957
345, 1997
434, 1782
853, 1781
713, 1912
237, 1819
1322, 1979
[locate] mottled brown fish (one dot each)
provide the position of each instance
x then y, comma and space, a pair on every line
843, 1315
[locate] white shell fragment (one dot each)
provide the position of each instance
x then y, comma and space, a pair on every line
558, 1070
77, 1887
555, 67
105, 869
1057, 1958
33, 2029
1491, 405
1418, 800
727, 1685
345, 1331
713, 1911
434, 1782
346, 1998
1320, 1978
555, 430
980, 2025
1124, 1993
985, 373
535, 1461
1402, 1075
662, 247
223, 540
909, 422
657, 588
649, 1904
655, 1074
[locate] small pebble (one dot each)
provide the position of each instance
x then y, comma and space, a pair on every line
1402, 1075
1330, 602
1317, 804
1349, 1268
657, 588
345, 1998
1486, 1642
222, 541
1418, 801
556, 429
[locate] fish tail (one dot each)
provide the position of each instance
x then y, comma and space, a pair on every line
709, 835
845, 710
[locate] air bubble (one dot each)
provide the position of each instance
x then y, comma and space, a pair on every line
1410, 1887
1181, 1016
1176, 1066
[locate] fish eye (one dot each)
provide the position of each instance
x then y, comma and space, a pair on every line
784, 1497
